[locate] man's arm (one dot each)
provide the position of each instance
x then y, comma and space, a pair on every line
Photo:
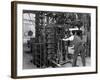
70, 38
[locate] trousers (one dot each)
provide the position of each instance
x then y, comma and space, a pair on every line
79, 49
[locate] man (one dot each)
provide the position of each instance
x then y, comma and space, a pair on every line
78, 47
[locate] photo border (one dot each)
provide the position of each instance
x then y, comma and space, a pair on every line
14, 37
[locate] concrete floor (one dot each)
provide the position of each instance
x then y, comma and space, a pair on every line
28, 57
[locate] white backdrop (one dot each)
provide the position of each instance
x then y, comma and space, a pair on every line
5, 40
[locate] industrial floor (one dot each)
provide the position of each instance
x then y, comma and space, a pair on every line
27, 57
